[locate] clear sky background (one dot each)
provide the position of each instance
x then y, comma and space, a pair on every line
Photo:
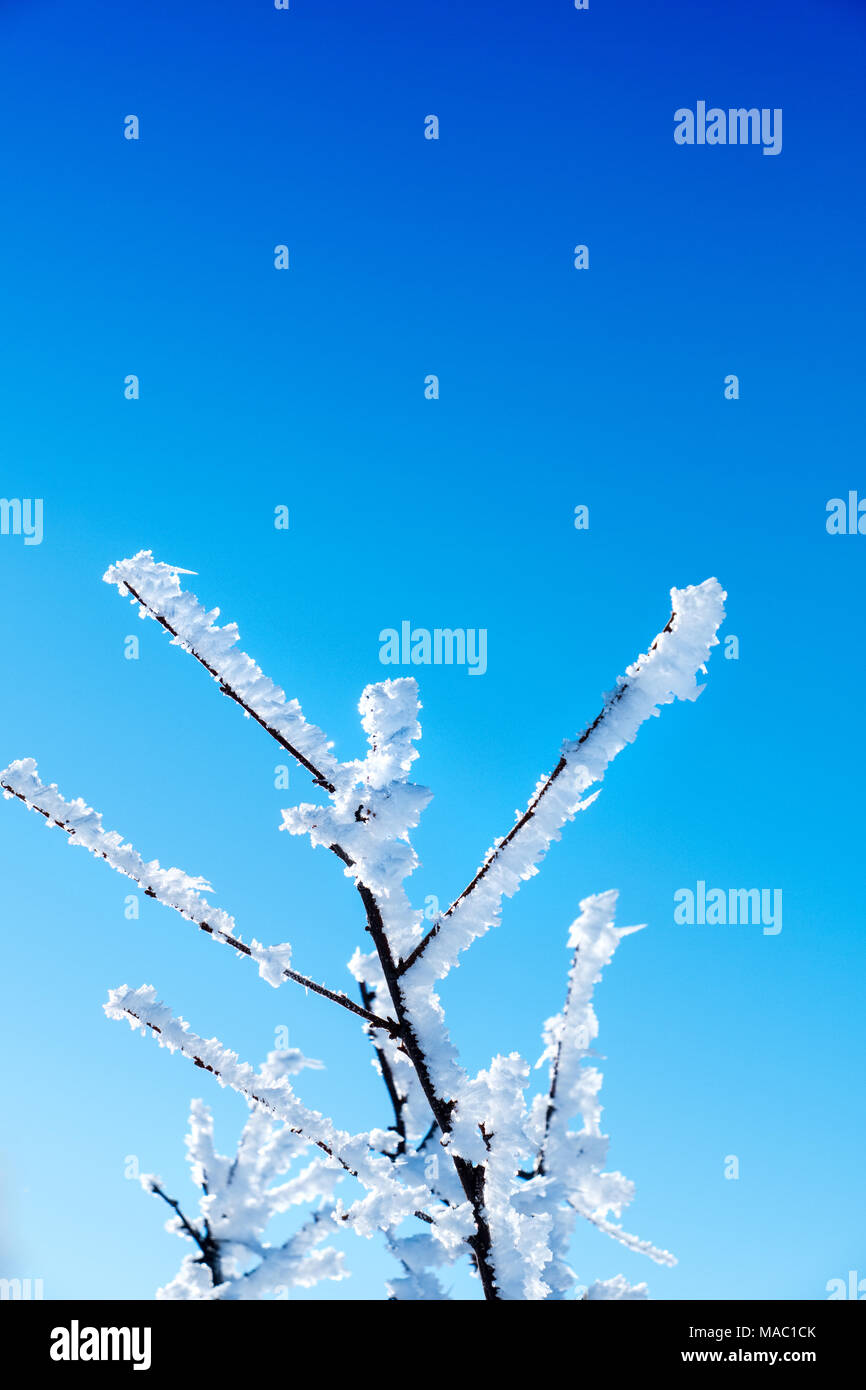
558, 387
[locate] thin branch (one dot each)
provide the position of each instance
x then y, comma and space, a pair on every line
115, 1009
251, 1095
191, 1231
317, 775
609, 704
336, 997
640, 1247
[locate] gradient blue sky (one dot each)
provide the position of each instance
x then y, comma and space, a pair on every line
412, 257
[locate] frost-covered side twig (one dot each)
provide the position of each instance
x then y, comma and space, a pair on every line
171, 887
353, 1153
666, 673
568, 1164
633, 1243
531, 1211
156, 588
592, 938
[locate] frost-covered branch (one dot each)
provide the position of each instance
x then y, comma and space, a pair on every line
171, 887
514, 1174
156, 588
666, 673
373, 807
371, 799
353, 1153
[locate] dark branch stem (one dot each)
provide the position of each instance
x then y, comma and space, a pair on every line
427, 1137
471, 1175
210, 1251
398, 1100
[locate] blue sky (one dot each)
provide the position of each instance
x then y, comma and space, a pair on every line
558, 387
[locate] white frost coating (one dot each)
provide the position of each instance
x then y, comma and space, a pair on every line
158, 587
272, 961
389, 718
616, 1288
288, 1061
422, 1255
172, 887
666, 673
375, 807
519, 1232
418, 1284
388, 1200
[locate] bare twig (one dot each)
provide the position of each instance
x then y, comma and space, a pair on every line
210, 1251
